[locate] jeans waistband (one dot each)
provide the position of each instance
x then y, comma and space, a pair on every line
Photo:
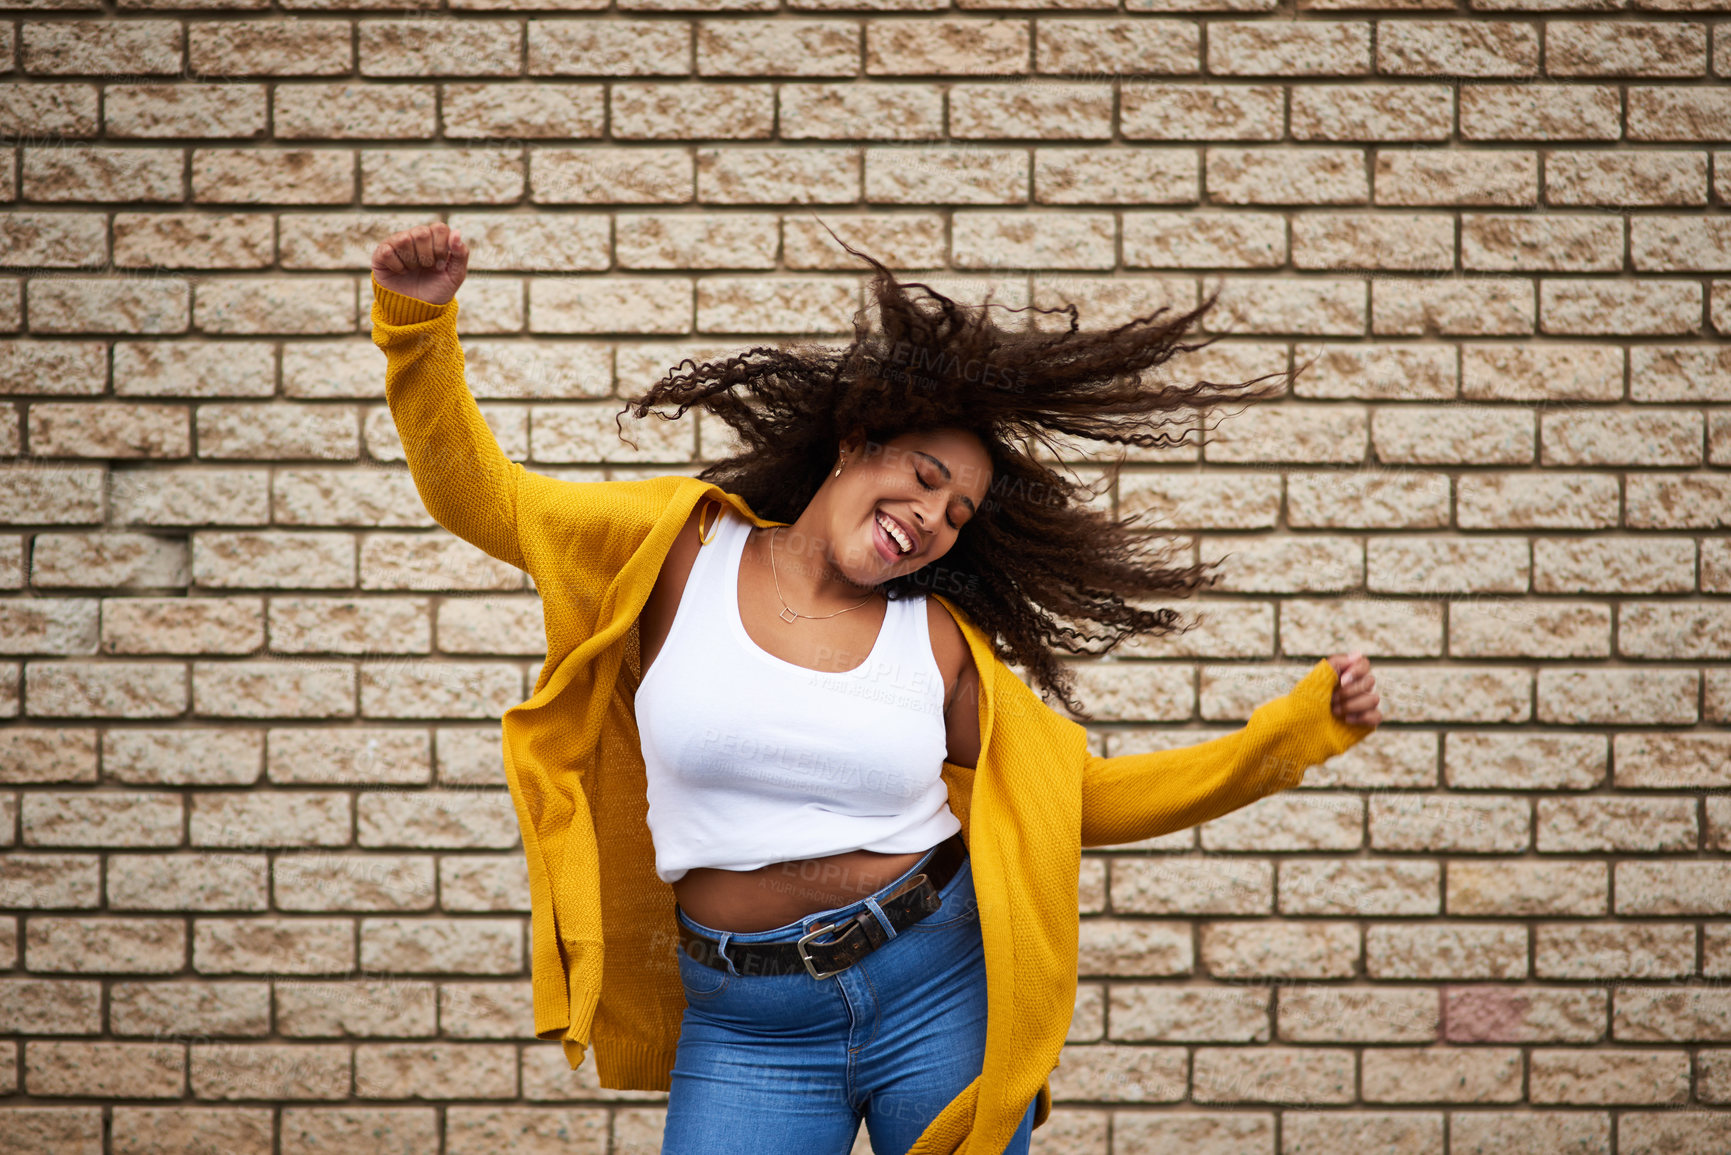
789, 932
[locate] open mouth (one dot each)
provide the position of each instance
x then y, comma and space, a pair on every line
887, 541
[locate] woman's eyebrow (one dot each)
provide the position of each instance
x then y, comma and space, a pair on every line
945, 470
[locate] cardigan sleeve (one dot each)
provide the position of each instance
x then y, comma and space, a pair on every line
1135, 796
465, 480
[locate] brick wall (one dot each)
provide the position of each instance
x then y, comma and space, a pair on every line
260, 888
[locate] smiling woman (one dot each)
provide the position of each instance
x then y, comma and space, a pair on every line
776, 726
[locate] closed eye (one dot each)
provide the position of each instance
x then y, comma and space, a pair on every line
928, 485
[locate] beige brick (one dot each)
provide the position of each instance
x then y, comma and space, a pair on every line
1455, 694
1549, 373
533, 1130
98, 48
1673, 630
1632, 48
187, 882
1539, 112
96, 305
1290, 432
362, 626
437, 821
1528, 888
1372, 112
1456, 177
169, 1130
670, 241
1466, 48
1322, 48
1312, 307
1671, 761
336, 1130
50, 1007
486, 1010
462, 175
1641, 308
1676, 501
105, 559
460, 946
1667, 1014
957, 47
1337, 1014
1448, 950
1617, 697
1650, 951
1142, 177
253, 1070
1679, 244
1415, 564
273, 946
1564, 244
1481, 1014
1679, 373
353, 882
625, 47
351, 111
106, 1070
1280, 949
179, 1008
1290, 821
1488, 760
1149, 111
973, 175
272, 176
611, 175
435, 1071
50, 881
440, 47
985, 240
1272, 1075
349, 756
57, 240
1151, 1013
176, 497
1654, 888
760, 176
1097, 46
1556, 500
48, 625
1659, 1132
514, 110
1202, 238
1450, 822
1138, 1074
1202, 500
1051, 110
139, 625
105, 945
69, 109
355, 1009
1374, 625
54, 1130
846, 111
291, 47
1354, 888
58, 367
273, 560
1272, 175
1138, 947
281, 819
1214, 885
102, 819
1518, 1132
1472, 306
1607, 177
1374, 372
480, 883
274, 689
1565, 565
1598, 1078
1515, 629
1442, 1075
182, 757
645, 111
1199, 1132
1405, 1133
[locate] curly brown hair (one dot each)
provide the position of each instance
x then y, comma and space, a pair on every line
1035, 558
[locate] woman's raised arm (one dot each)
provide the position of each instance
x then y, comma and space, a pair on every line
465, 480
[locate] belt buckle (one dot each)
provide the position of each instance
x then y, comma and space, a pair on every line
806, 957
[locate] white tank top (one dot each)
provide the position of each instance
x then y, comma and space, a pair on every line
751, 759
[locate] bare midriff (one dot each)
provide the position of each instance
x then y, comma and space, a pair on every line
782, 892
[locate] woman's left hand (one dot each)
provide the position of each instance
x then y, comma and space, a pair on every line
1354, 703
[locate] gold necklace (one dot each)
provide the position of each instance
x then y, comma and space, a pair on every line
787, 609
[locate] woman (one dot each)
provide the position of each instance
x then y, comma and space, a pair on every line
797, 755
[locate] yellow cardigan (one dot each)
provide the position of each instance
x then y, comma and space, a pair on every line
602, 922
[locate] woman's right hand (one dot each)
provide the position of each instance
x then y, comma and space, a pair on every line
427, 262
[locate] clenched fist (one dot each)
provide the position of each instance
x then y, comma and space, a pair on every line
1354, 703
427, 262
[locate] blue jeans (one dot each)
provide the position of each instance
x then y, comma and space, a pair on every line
793, 1063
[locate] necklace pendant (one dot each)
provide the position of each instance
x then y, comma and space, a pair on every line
787, 615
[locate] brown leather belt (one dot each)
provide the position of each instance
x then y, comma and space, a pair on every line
855, 938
